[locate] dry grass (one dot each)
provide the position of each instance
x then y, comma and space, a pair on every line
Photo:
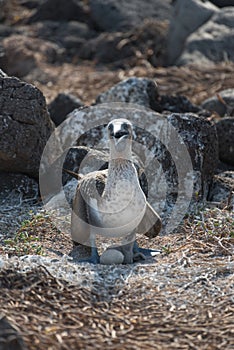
184, 300
87, 81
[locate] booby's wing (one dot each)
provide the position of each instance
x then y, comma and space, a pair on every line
80, 230
89, 186
151, 223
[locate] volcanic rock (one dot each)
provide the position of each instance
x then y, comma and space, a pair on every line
222, 106
225, 131
60, 10
62, 105
25, 126
222, 188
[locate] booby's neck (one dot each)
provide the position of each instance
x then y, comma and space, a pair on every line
121, 151
120, 170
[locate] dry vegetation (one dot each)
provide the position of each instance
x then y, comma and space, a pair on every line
183, 300
87, 81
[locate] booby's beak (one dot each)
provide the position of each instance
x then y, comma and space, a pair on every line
120, 134
120, 137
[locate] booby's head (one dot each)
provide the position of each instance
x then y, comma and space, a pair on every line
120, 138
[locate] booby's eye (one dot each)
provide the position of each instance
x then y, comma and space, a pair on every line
111, 129
125, 126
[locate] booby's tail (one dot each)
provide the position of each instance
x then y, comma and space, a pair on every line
73, 174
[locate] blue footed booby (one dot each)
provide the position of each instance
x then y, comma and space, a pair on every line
111, 202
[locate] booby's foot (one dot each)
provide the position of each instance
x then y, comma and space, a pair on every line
143, 253
94, 258
80, 256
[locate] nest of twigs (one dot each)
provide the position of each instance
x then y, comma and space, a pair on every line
183, 300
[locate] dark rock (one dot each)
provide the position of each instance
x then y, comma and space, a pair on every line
23, 54
31, 4
222, 3
111, 15
225, 131
187, 17
17, 186
222, 188
60, 10
6, 30
10, 338
61, 106
223, 106
70, 35
145, 42
25, 126
179, 152
212, 42
141, 91
58, 31
176, 104
222, 167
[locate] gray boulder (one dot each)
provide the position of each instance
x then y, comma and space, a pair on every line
212, 42
25, 126
225, 131
141, 91
187, 17
223, 106
111, 15
62, 105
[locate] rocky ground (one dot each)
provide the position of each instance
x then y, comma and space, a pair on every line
183, 298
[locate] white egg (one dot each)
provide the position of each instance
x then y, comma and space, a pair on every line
111, 257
